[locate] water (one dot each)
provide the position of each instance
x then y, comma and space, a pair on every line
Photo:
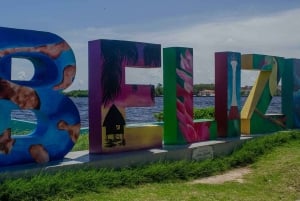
140, 114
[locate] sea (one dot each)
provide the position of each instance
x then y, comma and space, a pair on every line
140, 114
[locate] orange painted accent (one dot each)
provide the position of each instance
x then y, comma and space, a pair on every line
247, 62
245, 126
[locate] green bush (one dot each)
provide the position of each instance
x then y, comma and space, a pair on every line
204, 113
68, 183
254, 148
159, 116
199, 113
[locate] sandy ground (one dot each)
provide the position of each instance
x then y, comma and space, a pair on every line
232, 175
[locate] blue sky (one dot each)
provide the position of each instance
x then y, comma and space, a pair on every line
265, 27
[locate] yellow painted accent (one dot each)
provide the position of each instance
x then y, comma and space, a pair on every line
255, 94
137, 137
245, 126
267, 75
273, 77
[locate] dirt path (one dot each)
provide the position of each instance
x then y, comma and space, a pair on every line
232, 175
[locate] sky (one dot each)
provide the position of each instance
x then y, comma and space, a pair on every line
269, 27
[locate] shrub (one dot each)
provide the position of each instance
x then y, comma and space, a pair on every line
69, 183
199, 113
204, 113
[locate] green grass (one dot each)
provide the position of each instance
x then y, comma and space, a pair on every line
21, 127
82, 142
274, 158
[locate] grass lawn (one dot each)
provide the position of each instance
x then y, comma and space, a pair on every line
275, 176
82, 143
274, 161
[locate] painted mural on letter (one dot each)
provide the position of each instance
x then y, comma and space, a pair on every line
58, 121
253, 116
114, 95
228, 98
179, 125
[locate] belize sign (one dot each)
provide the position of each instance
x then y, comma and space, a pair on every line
58, 121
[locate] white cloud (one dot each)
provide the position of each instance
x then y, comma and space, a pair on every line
21, 69
276, 34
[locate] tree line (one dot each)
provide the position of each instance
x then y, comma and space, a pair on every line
159, 90
77, 93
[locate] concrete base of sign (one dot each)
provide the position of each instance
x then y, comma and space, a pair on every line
196, 151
